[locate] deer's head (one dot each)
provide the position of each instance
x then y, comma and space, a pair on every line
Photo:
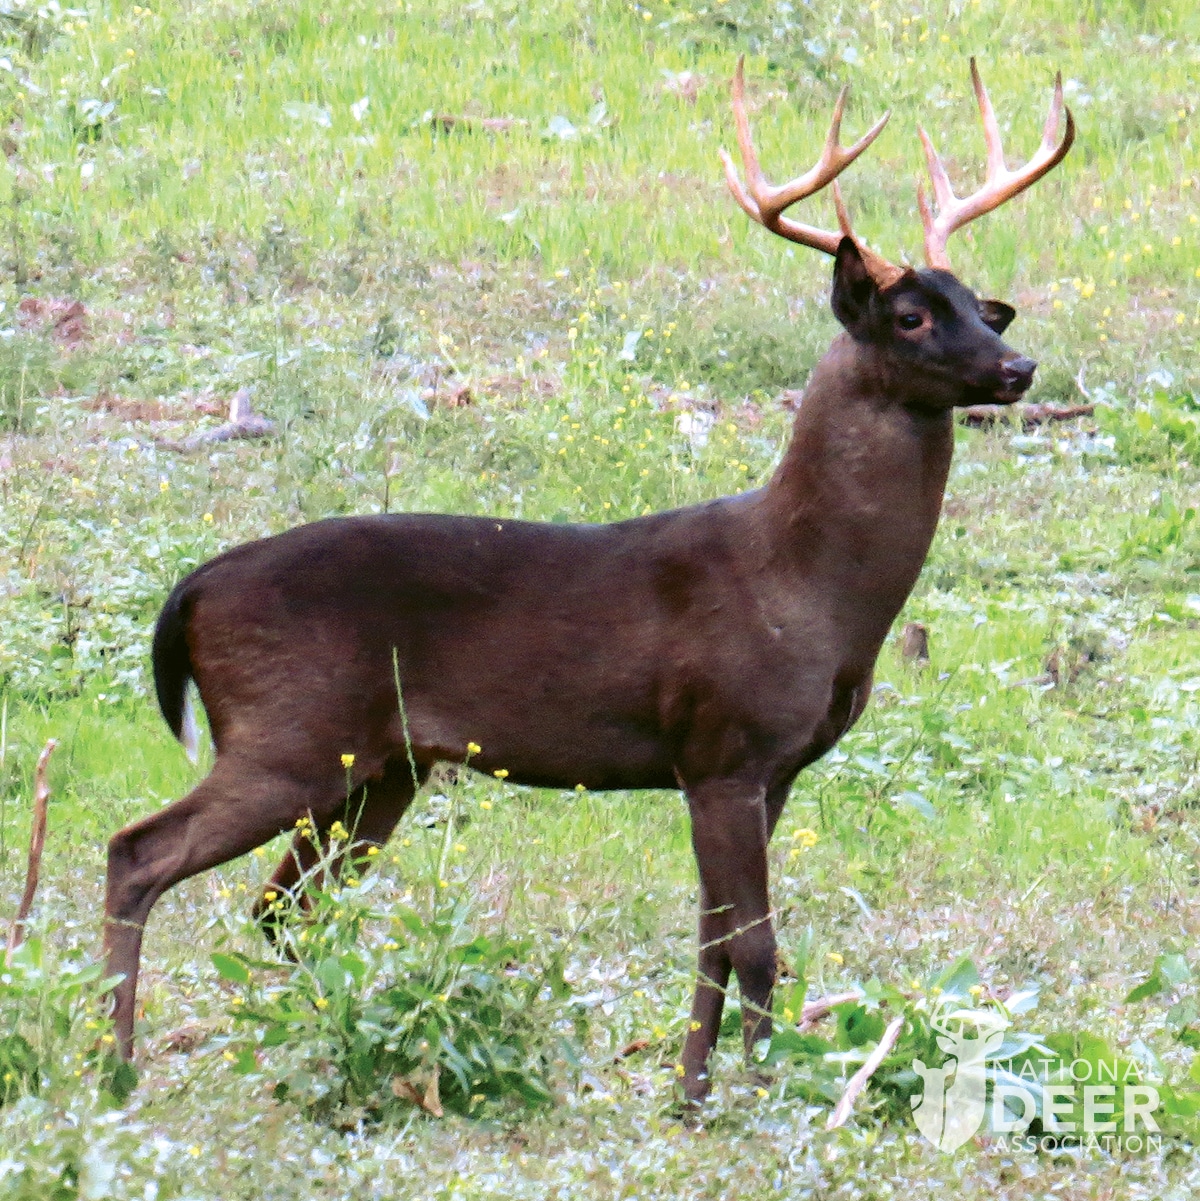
941, 343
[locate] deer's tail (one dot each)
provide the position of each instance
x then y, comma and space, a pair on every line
173, 670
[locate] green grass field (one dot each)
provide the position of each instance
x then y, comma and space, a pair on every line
436, 314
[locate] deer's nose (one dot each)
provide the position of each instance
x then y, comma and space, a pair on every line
1018, 373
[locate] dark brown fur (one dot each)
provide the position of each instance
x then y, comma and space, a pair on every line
718, 649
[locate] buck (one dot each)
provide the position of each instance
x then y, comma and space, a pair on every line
716, 649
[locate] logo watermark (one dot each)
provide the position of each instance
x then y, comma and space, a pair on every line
1089, 1104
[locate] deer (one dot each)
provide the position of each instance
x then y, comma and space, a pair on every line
715, 650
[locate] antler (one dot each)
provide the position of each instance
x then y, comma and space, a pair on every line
941, 1020
1001, 184
765, 203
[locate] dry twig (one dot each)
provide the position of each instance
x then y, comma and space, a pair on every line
430, 1101
243, 423
859, 1080
37, 841
822, 1007
1028, 416
451, 121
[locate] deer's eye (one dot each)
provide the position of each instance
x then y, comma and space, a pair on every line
910, 320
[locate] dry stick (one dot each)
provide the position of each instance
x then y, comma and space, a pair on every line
37, 840
430, 1101
813, 1011
243, 423
1028, 416
448, 121
859, 1080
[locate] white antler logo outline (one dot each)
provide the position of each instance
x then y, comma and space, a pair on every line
952, 1103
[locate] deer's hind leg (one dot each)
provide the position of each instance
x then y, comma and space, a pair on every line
367, 818
241, 805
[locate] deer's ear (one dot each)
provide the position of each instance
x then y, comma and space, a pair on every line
997, 315
853, 287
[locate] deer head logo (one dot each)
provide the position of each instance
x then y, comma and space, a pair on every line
951, 1105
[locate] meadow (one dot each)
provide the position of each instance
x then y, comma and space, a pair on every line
480, 258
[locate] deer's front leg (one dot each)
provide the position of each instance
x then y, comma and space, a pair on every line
729, 836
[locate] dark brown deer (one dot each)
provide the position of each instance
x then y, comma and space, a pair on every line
717, 649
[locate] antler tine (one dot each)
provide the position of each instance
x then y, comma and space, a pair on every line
754, 175
991, 128
763, 201
943, 193
842, 215
1000, 185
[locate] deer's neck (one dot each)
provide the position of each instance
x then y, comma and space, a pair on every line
855, 502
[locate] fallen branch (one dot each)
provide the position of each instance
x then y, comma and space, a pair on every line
859, 1080
638, 1044
37, 841
450, 121
813, 1011
1029, 416
243, 423
430, 1101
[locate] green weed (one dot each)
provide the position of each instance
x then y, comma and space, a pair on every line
436, 1014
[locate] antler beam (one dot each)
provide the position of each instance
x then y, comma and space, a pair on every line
765, 203
1001, 184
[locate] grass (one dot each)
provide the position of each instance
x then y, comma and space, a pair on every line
514, 322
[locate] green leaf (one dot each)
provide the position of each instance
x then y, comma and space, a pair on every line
354, 966
1170, 970
914, 800
245, 1063
231, 969
331, 975
1174, 968
120, 1079
788, 1044
791, 999
1148, 988
857, 1027
958, 979
1180, 1105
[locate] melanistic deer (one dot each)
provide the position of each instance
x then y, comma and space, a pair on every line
716, 649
